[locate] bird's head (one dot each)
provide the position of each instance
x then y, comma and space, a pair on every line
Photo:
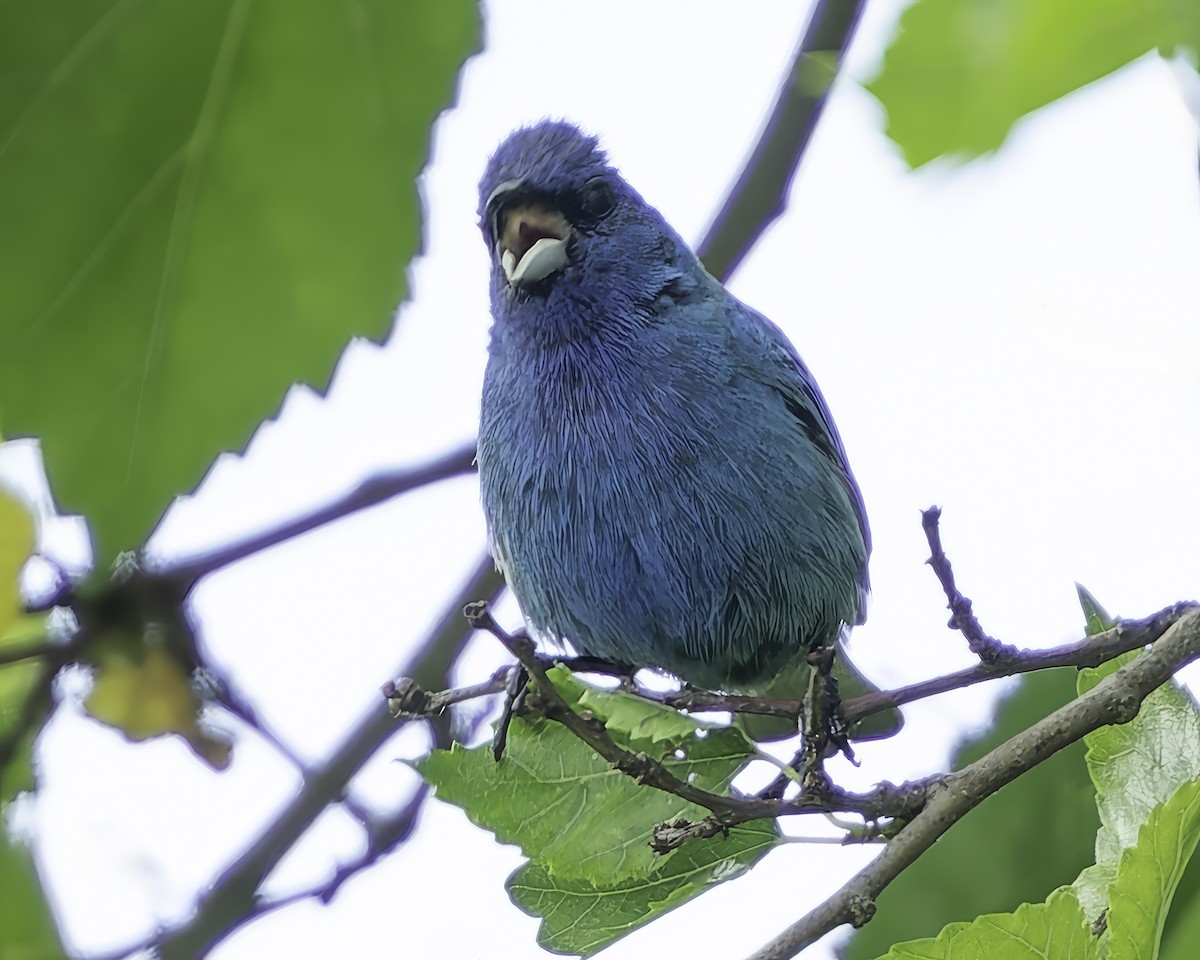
549, 199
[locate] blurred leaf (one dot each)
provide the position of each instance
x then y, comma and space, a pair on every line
585, 827
19, 678
201, 202
25, 629
1135, 767
1140, 896
962, 72
1181, 932
18, 681
1054, 929
18, 537
1096, 618
27, 929
1009, 854
151, 696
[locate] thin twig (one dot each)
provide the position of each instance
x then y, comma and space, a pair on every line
759, 195
369, 493
406, 698
231, 901
1088, 652
225, 696
886, 800
383, 836
641, 767
988, 649
1114, 700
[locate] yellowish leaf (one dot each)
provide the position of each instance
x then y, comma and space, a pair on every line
150, 698
17, 540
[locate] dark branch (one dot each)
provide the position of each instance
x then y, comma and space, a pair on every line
759, 195
642, 768
383, 836
1114, 700
1088, 652
988, 649
233, 898
369, 493
885, 800
406, 697
227, 696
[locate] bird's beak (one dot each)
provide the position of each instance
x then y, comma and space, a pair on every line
532, 242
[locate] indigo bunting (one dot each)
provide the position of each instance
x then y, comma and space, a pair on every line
663, 482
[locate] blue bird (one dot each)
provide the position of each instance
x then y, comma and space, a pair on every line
663, 482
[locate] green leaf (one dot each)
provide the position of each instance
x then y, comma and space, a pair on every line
18, 681
149, 693
586, 828
202, 202
1182, 930
646, 726
1096, 618
1138, 902
18, 678
1149, 872
999, 855
962, 72
1135, 767
580, 917
1055, 929
27, 929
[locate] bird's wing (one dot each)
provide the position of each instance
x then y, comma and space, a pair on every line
803, 398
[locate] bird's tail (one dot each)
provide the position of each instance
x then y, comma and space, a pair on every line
851, 683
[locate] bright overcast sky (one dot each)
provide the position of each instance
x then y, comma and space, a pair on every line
1016, 340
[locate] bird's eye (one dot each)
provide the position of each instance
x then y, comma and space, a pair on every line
595, 201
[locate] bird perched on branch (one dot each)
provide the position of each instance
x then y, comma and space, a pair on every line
663, 482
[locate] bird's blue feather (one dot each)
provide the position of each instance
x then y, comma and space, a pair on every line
663, 481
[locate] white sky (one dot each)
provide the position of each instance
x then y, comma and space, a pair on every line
1016, 340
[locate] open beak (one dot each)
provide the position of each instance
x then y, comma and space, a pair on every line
532, 242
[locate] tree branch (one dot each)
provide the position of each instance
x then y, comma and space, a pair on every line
1088, 652
183, 575
759, 195
817, 795
886, 800
232, 899
642, 768
371, 492
1114, 700
962, 618
409, 698
383, 836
